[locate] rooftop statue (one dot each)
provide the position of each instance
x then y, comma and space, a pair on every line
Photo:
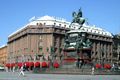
77, 18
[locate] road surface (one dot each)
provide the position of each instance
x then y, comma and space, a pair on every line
31, 76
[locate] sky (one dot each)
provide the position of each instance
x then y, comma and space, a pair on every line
14, 14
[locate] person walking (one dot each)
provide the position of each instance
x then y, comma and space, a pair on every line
13, 69
22, 71
6, 69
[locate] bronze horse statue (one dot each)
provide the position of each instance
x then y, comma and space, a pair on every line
77, 18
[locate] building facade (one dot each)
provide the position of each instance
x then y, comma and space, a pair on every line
116, 48
43, 39
3, 55
38, 40
101, 40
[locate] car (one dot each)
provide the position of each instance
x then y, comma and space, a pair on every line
2, 68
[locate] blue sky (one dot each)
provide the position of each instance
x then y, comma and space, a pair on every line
16, 13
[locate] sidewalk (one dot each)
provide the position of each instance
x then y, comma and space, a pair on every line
78, 71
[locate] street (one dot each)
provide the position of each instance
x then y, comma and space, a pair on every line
31, 76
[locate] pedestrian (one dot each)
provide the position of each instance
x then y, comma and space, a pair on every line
93, 70
6, 68
22, 71
113, 67
13, 69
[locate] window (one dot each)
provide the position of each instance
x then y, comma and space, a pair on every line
64, 25
83, 29
40, 43
59, 24
47, 49
40, 48
40, 30
95, 53
44, 23
40, 24
40, 37
54, 23
37, 23
60, 42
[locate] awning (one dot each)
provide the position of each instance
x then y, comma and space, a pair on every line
19, 64
12, 64
31, 64
56, 65
98, 66
44, 64
26, 64
37, 64
107, 66
7, 65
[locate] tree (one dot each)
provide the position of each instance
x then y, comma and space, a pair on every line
47, 49
52, 49
60, 49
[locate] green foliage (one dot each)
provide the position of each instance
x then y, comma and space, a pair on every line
60, 49
47, 49
52, 49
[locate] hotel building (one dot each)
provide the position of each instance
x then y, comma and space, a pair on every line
102, 43
3, 54
41, 39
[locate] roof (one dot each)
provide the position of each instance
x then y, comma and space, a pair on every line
90, 29
47, 20
3, 46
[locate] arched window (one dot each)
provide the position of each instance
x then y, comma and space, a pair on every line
54, 24
59, 24
44, 23
40, 24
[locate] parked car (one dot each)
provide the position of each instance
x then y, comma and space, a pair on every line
2, 68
